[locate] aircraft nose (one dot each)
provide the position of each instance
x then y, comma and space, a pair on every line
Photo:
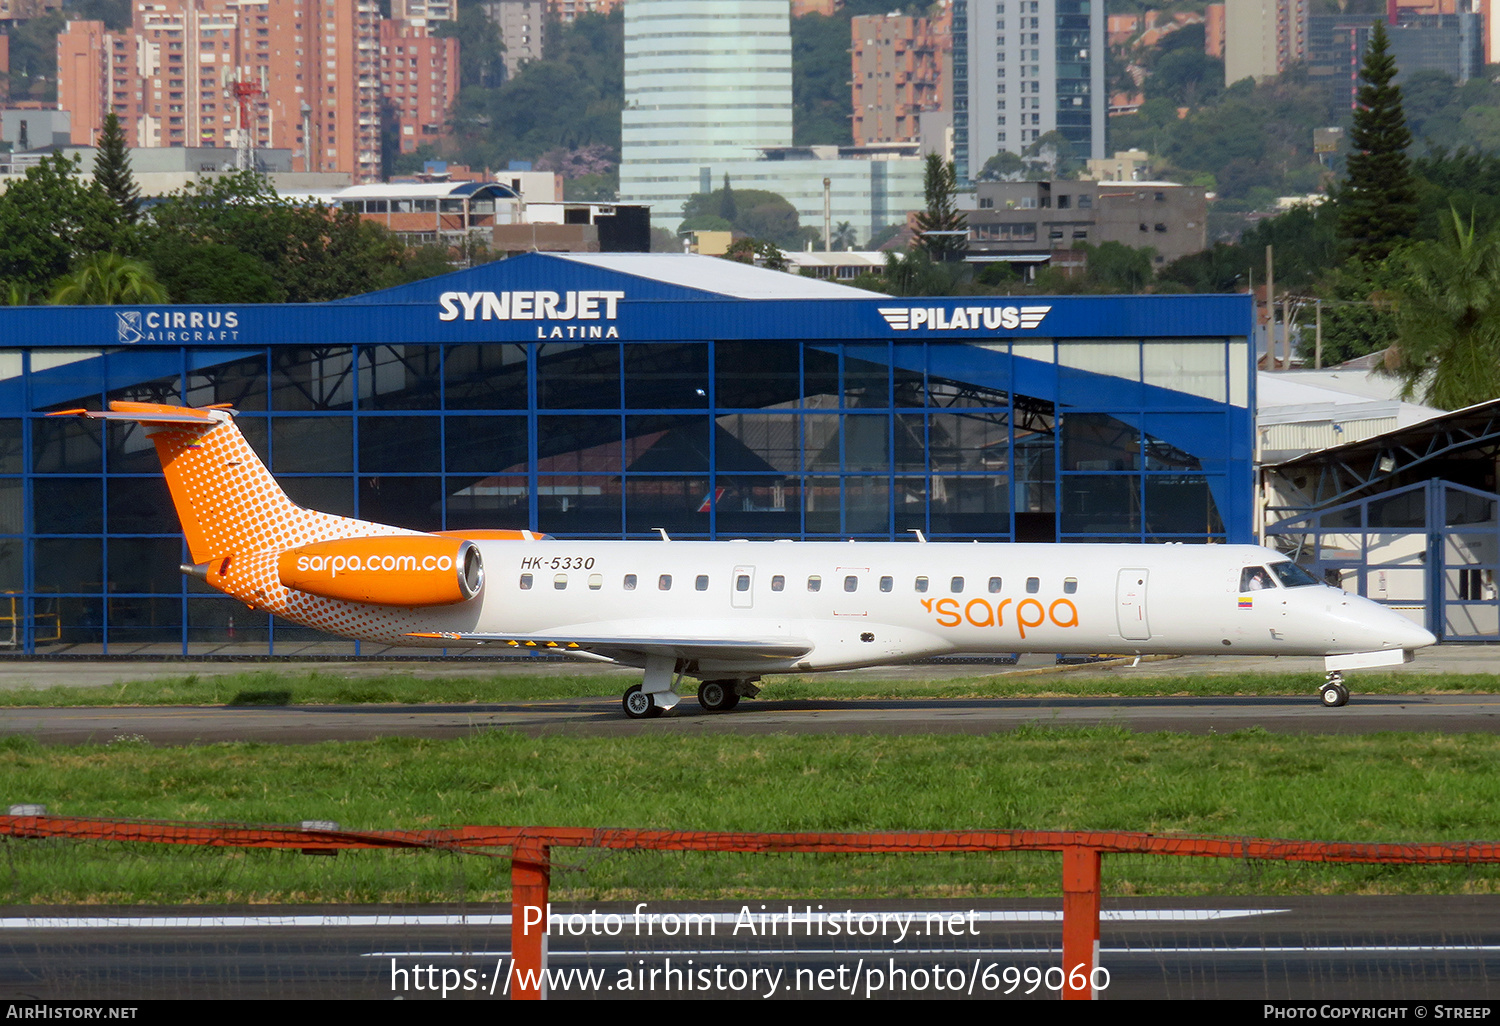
1399, 632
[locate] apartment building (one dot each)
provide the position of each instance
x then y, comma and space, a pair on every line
523, 30
216, 73
567, 10
898, 73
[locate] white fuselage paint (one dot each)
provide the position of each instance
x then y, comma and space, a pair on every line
1143, 599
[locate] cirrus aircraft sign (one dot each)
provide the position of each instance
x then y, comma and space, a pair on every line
964, 318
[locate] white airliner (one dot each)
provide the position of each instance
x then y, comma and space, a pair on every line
728, 613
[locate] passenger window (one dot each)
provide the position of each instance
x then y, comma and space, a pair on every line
596, 581
887, 583
956, 585
778, 583
1070, 585
1033, 585
742, 582
630, 582
994, 585
664, 582
701, 583
851, 583
525, 582
814, 583
1255, 578
921, 584
560, 582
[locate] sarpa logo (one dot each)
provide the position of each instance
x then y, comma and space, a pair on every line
964, 318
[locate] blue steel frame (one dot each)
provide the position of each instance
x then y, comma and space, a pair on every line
856, 334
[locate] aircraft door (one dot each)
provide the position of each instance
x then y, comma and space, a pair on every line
742, 587
1130, 605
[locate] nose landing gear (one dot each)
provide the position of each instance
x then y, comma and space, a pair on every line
1333, 693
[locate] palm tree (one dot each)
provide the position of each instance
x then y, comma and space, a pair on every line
1448, 318
843, 236
107, 279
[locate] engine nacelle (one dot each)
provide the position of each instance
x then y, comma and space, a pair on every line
408, 570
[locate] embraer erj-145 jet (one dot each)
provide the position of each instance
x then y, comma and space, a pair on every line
728, 613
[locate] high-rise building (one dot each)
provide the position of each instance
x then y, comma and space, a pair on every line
898, 74
419, 81
704, 84
1263, 37
708, 96
187, 71
567, 10
523, 30
1023, 69
424, 10
21, 10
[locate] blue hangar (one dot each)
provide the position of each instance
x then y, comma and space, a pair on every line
609, 396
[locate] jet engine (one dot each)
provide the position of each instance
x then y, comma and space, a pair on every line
406, 570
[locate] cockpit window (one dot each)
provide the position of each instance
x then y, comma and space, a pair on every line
1255, 578
1293, 576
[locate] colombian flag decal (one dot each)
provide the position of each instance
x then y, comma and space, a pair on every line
1246, 602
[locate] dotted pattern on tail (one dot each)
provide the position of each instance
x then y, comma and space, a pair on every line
242, 516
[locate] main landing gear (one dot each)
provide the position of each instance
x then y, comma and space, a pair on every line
1334, 694
714, 696
718, 695
638, 705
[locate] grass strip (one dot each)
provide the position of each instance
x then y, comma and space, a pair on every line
1391, 787
268, 687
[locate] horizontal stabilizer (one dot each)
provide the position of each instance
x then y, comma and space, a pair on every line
768, 649
178, 416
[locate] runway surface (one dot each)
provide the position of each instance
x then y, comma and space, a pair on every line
164, 725
178, 725
1332, 948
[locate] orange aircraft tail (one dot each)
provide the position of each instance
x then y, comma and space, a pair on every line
227, 500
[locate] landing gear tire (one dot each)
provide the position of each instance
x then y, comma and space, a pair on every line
638, 705
718, 695
1334, 695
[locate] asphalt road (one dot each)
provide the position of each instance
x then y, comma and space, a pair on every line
1444, 949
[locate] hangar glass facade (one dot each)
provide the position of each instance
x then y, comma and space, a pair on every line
809, 416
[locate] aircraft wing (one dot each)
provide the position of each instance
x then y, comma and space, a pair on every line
619, 647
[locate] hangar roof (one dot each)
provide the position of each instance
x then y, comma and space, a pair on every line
715, 274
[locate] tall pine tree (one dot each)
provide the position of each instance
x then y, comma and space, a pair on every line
1378, 203
112, 170
941, 228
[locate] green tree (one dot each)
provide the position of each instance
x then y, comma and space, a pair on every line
483, 62
914, 273
108, 279
941, 218
844, 236
49, 219
313, 253
1448, 318
1004, 166
212, 272
1116, 267
760, 252
112, 170
1378, 201
728, 210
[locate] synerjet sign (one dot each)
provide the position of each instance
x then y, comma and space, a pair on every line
538, 306
964, 318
